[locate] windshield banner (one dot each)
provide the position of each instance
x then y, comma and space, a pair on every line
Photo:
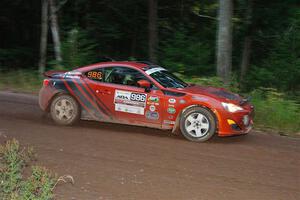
153, 70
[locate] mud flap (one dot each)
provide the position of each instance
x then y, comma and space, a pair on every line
175, 129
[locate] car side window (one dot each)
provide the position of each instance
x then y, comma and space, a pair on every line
123, 76
95, 75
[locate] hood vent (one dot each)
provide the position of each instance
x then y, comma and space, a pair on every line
171, 93
225, 94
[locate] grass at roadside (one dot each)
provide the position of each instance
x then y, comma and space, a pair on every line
20, 81
15, 185
273, 110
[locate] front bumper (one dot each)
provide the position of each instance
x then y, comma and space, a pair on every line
238, 123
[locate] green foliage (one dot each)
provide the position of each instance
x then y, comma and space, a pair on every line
186, 34
78, 49
20, 80
185, 54
207, 8
212, 81
281, 69
274, 111
39, 185
13, 186
13, 160
11, 168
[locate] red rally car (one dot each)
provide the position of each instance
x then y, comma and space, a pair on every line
143, 94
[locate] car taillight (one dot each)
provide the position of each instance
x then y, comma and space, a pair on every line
46, 82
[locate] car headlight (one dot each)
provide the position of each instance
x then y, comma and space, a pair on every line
231, 107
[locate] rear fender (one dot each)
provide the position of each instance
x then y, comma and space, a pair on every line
57, 93
57, 88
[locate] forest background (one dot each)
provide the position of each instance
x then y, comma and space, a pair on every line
249, 46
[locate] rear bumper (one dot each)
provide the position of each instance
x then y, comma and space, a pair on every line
45, 96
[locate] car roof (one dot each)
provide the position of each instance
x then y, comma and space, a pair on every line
134, 64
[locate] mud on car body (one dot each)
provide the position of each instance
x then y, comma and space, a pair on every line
143, 94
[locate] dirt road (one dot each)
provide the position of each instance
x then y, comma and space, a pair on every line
111, 161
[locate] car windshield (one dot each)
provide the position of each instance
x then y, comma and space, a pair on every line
166, 78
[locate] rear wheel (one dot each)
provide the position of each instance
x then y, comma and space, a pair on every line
65, 110
197, 124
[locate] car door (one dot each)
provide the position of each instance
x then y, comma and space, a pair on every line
92, 86
126, 101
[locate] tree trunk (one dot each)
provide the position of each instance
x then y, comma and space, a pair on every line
246, 56
44, 35
153, 38
248, 41
55, 32
224, 40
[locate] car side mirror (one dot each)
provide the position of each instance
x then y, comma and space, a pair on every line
144, 84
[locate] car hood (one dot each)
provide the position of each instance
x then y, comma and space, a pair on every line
218, 93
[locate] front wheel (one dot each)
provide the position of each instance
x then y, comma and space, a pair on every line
197, 124
64, 110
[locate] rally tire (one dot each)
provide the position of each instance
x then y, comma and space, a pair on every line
197, 124
65, 110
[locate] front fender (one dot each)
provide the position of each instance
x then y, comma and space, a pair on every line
177, 122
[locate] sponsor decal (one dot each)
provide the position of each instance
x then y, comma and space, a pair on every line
152, 115
182, 101
152, 108
122, 95
153, 99
151, 103
171, 110
73, 74
131, 102
129, 109
130, 98
172, 100
153, 70
171, 117
169, 122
